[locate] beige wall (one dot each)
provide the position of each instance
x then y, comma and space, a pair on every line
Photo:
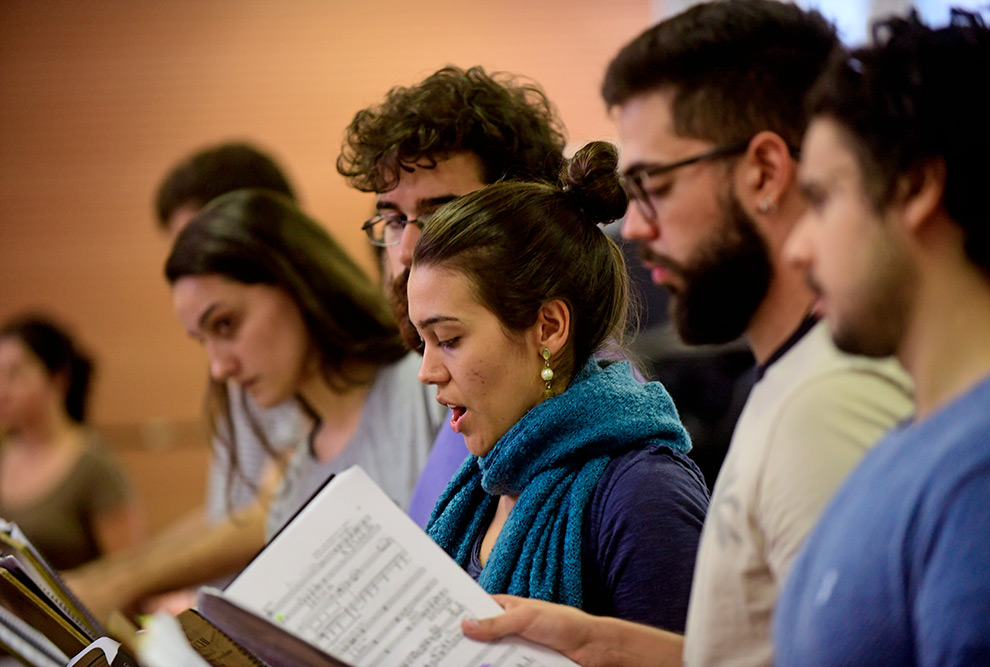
98, 97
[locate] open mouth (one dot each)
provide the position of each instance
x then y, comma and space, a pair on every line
457, 417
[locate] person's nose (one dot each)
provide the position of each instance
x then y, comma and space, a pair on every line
432, 369
798, 247
636, 227
223, 363
410, 234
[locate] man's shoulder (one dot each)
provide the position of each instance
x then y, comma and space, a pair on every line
943, 452
661, 476
818, 394
796, 442
815, 360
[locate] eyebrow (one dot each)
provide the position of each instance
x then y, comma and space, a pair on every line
640, 166
201, 322
421, 204
808, 183
436, 319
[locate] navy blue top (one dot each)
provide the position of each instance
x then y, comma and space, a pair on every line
641, 538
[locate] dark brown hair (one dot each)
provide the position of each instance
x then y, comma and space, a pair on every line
510, 125
216, 170
735, 67
260, 237
59, 354
911, 98
524, 244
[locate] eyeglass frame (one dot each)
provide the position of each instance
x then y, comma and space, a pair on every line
369, 226
632, 179
632, 182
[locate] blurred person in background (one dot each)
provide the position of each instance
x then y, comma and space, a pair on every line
284, 315
56, 481
246, 445
247, 448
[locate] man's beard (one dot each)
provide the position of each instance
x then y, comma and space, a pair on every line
398, 298
722, 283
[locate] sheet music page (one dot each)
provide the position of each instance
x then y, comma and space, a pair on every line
101, 652
353, 575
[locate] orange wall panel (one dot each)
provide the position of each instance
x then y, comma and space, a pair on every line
98, 98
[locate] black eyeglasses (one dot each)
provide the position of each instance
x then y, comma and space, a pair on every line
632, 180
385, 229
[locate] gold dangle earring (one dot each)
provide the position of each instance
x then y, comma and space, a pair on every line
547, 373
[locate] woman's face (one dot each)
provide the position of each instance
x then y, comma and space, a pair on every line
26, 387
254, 335
488, 378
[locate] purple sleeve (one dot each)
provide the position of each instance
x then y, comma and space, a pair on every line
445, 459
642, 538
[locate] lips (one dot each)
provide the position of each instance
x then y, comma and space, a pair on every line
659, 275
248, 385
457, 417
662, 268
818, 305
457, 413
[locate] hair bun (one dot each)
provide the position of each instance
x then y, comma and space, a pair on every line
591, 181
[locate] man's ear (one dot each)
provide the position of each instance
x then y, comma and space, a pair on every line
919, 193
768, 169
553, 325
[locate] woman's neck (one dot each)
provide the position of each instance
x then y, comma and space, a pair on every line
335, 400
337, 403
49, 430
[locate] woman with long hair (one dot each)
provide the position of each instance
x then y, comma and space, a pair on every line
578, 490
285, 313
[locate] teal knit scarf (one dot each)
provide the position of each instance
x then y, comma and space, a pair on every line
552, 460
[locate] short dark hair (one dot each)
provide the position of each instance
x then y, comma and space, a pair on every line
510, 125
216, 170
59, 354
910, 99
523, 244
735, 67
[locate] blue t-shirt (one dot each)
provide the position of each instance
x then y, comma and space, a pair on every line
641, 538
897, 572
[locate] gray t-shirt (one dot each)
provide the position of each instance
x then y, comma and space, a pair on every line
399, 421
283, 428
